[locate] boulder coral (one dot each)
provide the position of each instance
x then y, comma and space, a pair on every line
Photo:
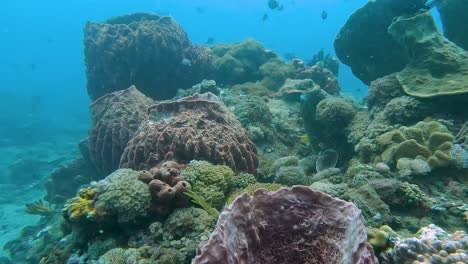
196, 127
296, 225
123, 196
116, 117
141, 49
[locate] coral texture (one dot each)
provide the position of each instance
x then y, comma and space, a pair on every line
211, 182
433, 245
295, 225
198, 127
122, 195
140, 49
437, 67
430, 141
116, 117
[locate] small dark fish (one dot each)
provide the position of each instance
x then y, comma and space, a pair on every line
200, 10
209, 41
324, 15
265, 17
32, 66
280, 7
273, 4
50, 40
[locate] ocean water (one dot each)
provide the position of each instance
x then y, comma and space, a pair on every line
276, 119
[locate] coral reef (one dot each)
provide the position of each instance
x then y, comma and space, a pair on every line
250, 189
178, 238
145, 50
295, 225
437, 67
81, 207
430, 141
292, 89
116, 117
121, 194
211, 182
432, 245
364, 44
197, 127
321, 76
240, 62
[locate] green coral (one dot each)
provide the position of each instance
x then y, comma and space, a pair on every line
178, 238
291, 175
211, 182
197, 199
252, 188
251, 89
123, 195
430, 141
121, 256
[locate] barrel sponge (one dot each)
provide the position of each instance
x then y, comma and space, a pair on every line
122, 194
296, 225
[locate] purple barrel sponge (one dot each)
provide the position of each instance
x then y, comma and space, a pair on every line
296, 225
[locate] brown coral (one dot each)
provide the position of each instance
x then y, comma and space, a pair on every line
140, 49
198, 127
296, 225
116, 116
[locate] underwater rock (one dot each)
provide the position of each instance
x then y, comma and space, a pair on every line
141, 49
116, 117
404, 110
432, 245
296, 225
196, 127
382, 91
437, 67
251, 88
321, 76
454, 21
364, 44
292, 89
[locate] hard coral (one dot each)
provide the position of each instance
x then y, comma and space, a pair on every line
122, 195
159, 43
295, 225
197, 127
116, 117
211, 182
430, 141
433, 245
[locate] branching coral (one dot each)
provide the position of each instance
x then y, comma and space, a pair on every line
39, 208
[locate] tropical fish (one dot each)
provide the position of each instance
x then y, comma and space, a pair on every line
265, 17
305, 139
324, 14
209, 41
273, 4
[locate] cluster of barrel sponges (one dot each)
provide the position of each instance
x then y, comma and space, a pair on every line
166, 186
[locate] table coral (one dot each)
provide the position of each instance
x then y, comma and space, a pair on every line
197, 127
295, 225
437, 67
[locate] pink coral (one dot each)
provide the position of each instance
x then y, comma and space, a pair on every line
198, 127
296, 225
116, 116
